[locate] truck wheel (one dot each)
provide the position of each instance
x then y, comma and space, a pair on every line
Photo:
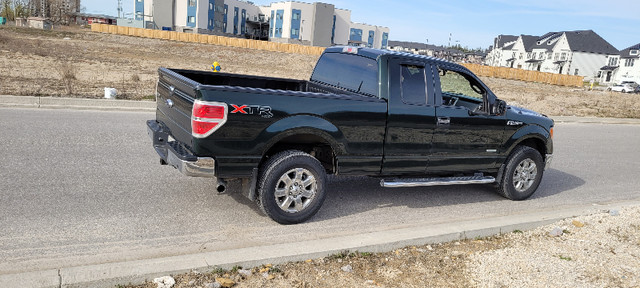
522, 174
291, 187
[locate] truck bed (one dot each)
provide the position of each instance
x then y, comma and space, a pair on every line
248, 81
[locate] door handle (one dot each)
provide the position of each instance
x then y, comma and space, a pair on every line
444, 120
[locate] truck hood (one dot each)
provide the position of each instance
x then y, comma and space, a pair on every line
528, 116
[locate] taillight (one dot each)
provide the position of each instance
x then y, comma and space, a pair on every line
207, 117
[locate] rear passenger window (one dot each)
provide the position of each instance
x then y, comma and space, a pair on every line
347, 71
412, 81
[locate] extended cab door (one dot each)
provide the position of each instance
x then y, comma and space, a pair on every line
411, 118
467, 138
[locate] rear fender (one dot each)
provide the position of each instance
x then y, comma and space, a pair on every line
304, 125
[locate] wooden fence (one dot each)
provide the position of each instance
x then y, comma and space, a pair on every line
489, 71
207, 39
526, 75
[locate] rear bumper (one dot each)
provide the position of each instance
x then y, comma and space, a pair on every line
175, 154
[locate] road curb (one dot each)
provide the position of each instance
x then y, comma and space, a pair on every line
150, 106
111, 274
76, 103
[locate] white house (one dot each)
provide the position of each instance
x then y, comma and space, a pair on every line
501, 51
521, 51
629, 66
581, 52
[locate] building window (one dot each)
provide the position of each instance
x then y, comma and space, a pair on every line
355, 34
563, 56
633, 52
613, 61
529, 55
555, 57
575, 72
192, 19
294, 33
192, 3
628, 62
210, 6
549, 56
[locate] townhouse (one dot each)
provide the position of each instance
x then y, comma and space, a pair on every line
500, 52
628, 68
317, 24
581, 52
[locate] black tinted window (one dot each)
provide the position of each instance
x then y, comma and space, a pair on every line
348, 71
413, 84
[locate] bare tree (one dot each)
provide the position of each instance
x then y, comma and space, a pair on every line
21, 9
6, 10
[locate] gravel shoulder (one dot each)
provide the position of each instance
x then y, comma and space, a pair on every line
598, 250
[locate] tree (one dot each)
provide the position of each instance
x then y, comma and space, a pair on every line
6, 7
21, 9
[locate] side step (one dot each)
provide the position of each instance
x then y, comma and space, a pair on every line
424, 182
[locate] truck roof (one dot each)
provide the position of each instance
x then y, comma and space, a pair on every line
376, 53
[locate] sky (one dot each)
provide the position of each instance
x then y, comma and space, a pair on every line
474, 23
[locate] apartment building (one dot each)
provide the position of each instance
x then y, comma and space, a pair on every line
316, 24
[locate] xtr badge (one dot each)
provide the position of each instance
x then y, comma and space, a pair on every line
262, 111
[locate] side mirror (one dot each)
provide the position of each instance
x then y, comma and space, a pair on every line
499, 107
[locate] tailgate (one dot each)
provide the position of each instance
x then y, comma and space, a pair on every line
175, 97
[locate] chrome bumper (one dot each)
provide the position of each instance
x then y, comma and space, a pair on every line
172, 153
548, 158
202, 167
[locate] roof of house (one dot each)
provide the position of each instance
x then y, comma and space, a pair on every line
589, 41
38, 19
410, 45
626, 53
579, 41
528, 41
546, 41
501, 40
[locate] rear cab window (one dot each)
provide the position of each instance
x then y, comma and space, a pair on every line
349, 72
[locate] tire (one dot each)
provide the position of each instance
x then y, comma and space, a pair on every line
522, 174
291, 187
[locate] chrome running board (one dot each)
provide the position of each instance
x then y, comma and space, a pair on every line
425, 182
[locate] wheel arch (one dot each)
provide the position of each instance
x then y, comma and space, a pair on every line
534, 136
310, 134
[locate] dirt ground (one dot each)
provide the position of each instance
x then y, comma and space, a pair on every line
74, 62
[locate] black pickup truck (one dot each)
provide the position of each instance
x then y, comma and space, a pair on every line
409, 120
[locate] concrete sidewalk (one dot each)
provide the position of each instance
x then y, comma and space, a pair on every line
150, 106
76, 103
111, 274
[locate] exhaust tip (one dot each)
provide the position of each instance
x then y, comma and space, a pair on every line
222, 186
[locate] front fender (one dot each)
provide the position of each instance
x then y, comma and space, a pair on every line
528, 133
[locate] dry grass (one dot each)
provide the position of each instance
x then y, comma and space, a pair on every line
31, 61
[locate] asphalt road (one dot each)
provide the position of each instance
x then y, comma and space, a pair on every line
86, 187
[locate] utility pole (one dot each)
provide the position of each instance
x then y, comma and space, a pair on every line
120, 9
